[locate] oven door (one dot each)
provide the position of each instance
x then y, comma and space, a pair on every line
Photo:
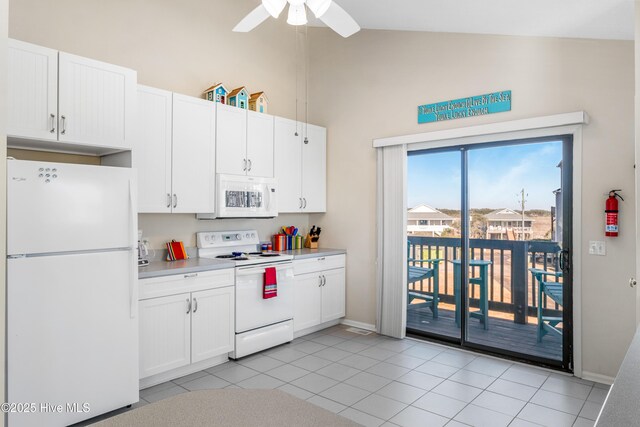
246, 197
252, 311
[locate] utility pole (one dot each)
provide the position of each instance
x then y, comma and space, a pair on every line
522, 204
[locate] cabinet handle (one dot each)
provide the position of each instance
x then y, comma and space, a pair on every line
249, 165
195, 307
188, 306
186, 276
324, 280
63, 125
168, 200
305, 203
321, 259
244, 168
300, 207
175, 200
320, 280
53, 123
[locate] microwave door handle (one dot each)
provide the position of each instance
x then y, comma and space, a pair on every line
268, 197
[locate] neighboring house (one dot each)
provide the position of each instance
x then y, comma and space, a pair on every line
239, 97
506, 224
258, 102
427, 221
216, 93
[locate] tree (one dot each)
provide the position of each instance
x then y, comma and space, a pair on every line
479, 226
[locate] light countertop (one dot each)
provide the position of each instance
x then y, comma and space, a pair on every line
185, 266
159, 268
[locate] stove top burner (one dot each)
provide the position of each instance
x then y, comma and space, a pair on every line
233, 257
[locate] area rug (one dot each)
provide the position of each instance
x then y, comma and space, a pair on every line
229, 408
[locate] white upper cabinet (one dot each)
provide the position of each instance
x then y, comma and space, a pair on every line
314, 170
193, 174
300, 166
151, 153
231, 140
287, 164
244, 142
260, 144
96, 102
32, 91
58, 97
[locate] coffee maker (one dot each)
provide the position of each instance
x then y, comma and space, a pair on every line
143, 251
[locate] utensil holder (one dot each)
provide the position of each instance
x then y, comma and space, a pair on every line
309, 244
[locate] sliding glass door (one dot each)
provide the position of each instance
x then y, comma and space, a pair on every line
489, 234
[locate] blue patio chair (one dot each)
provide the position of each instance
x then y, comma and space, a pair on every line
417, 274
552, 290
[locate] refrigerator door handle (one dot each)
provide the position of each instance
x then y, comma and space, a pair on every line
133, 280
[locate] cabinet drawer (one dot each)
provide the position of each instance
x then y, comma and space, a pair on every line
312, 265
188, 282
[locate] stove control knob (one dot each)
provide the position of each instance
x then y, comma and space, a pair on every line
246, 235
213, 237
206, 237
253, 235
238, 237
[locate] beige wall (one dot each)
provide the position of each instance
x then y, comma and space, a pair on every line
369, 86
179, 46
3, 198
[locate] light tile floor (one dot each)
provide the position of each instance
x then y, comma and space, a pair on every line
375, 380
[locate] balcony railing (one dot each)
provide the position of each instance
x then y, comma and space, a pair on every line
511, 287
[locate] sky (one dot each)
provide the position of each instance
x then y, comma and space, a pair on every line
496, 177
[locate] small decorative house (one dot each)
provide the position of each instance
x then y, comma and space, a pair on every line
216, 93
258, 102
239, 97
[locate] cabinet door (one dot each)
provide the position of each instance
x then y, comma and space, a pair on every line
212, 323
314, 170
307, 301
260, 144
32, 91
193, 176
165, 334
151, 153
333, 294
287, 164
96, 102
231, 140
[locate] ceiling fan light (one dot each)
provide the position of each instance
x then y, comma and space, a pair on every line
297, 15
318, 7
274, 7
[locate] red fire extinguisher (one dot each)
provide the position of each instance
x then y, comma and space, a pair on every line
611, 211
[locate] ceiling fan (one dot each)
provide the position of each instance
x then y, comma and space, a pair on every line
326, 10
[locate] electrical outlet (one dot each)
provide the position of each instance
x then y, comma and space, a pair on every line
597, 247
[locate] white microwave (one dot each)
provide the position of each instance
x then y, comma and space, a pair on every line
239, 196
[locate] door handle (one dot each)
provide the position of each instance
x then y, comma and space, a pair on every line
188, 306
565, 260
300, 207
168, 200
195, 307
632, 282
324, 280
305, 203
63, 125
186, 276
319, 281
175, 200
244, 168
249, 170
53, 123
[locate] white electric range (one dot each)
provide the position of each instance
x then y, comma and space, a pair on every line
259, 323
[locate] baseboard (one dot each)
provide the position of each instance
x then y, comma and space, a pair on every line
599, 378
361, 325
182, 371
316, 328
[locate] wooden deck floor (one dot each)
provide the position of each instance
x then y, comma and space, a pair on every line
502, 334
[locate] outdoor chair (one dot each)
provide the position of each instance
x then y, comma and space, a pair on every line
552, 290
417, 274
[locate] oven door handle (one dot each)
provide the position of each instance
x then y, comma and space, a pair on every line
249, 271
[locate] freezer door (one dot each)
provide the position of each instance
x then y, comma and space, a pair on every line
55, 207
71, 335
252, 311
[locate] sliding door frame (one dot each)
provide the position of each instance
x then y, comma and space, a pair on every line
538, 127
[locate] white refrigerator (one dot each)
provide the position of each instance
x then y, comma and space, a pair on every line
72, 327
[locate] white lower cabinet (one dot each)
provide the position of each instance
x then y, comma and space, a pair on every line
319, 291
185, 328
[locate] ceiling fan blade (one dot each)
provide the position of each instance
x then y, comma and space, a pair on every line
340, 21
256, 17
